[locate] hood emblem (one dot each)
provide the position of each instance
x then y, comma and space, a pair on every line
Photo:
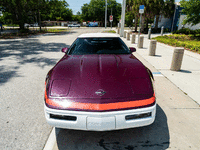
100, 92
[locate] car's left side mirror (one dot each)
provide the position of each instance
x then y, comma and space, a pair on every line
64, 50
132, 49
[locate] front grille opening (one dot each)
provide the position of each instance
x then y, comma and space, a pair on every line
138, 116
61, 117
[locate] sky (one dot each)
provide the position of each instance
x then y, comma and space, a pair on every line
75, 5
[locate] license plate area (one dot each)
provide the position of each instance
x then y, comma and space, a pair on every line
104, 123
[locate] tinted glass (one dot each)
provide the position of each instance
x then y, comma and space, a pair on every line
84, 46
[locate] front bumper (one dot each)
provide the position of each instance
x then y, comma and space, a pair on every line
100, 121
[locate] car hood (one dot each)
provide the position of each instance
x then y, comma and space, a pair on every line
100, 77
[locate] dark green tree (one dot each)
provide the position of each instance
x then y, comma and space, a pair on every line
95, 11
57, 10
192, 10
85, 12
29, 11
22, 11
153, 8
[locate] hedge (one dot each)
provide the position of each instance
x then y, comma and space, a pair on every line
187, 31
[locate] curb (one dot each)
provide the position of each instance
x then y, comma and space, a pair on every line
51, 141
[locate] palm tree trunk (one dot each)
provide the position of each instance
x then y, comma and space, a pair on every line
142, 25
147, 23
136, 21
157, 19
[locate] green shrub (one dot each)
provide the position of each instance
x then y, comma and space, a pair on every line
187, 31
24, 31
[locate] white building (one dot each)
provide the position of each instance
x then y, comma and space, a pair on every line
180, 26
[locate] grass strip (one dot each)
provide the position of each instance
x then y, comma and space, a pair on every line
189, 42
109, 31
26, 33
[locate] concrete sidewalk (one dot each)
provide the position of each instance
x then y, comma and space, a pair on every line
187, 79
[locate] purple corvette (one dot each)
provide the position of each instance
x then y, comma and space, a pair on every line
99, 85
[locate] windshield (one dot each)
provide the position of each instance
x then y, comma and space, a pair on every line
84, 46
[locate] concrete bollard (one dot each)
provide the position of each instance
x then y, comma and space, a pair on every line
128, 36
124, 34
118, 30
149, 33
140, 44
152, 48
133, 39
162, 29
119, 25
177, 59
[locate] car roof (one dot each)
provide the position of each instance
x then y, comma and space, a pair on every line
97, 35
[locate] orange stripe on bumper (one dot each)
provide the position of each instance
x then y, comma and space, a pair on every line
99, 107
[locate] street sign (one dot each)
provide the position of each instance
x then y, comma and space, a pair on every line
111, 18
141, 6
141, 10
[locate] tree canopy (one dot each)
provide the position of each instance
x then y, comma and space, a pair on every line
57, 10
95, 11
30, 11
192, 10
152, 8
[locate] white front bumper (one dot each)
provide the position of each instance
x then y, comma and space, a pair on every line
100, 121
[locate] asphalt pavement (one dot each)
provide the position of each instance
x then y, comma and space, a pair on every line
24, 63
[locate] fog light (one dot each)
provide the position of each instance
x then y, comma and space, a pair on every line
138, 116
61, 117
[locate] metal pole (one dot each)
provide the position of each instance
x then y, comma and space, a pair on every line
149, 33
106, 15
111, 21
40, 22
162, 30
139, 27
123, 18
173, 18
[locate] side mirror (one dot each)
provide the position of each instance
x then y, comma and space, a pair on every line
64, 50
132, 49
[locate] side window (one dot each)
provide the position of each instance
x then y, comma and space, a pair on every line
72, 47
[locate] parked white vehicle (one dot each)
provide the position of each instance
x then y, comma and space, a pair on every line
31, 25
74, 25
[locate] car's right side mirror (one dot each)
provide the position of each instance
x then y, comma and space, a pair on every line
64, 50
132, 49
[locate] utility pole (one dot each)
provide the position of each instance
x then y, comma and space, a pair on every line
141, 11
40, 22
139, 27
111, 15
123, 18
106, 15
174, 18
